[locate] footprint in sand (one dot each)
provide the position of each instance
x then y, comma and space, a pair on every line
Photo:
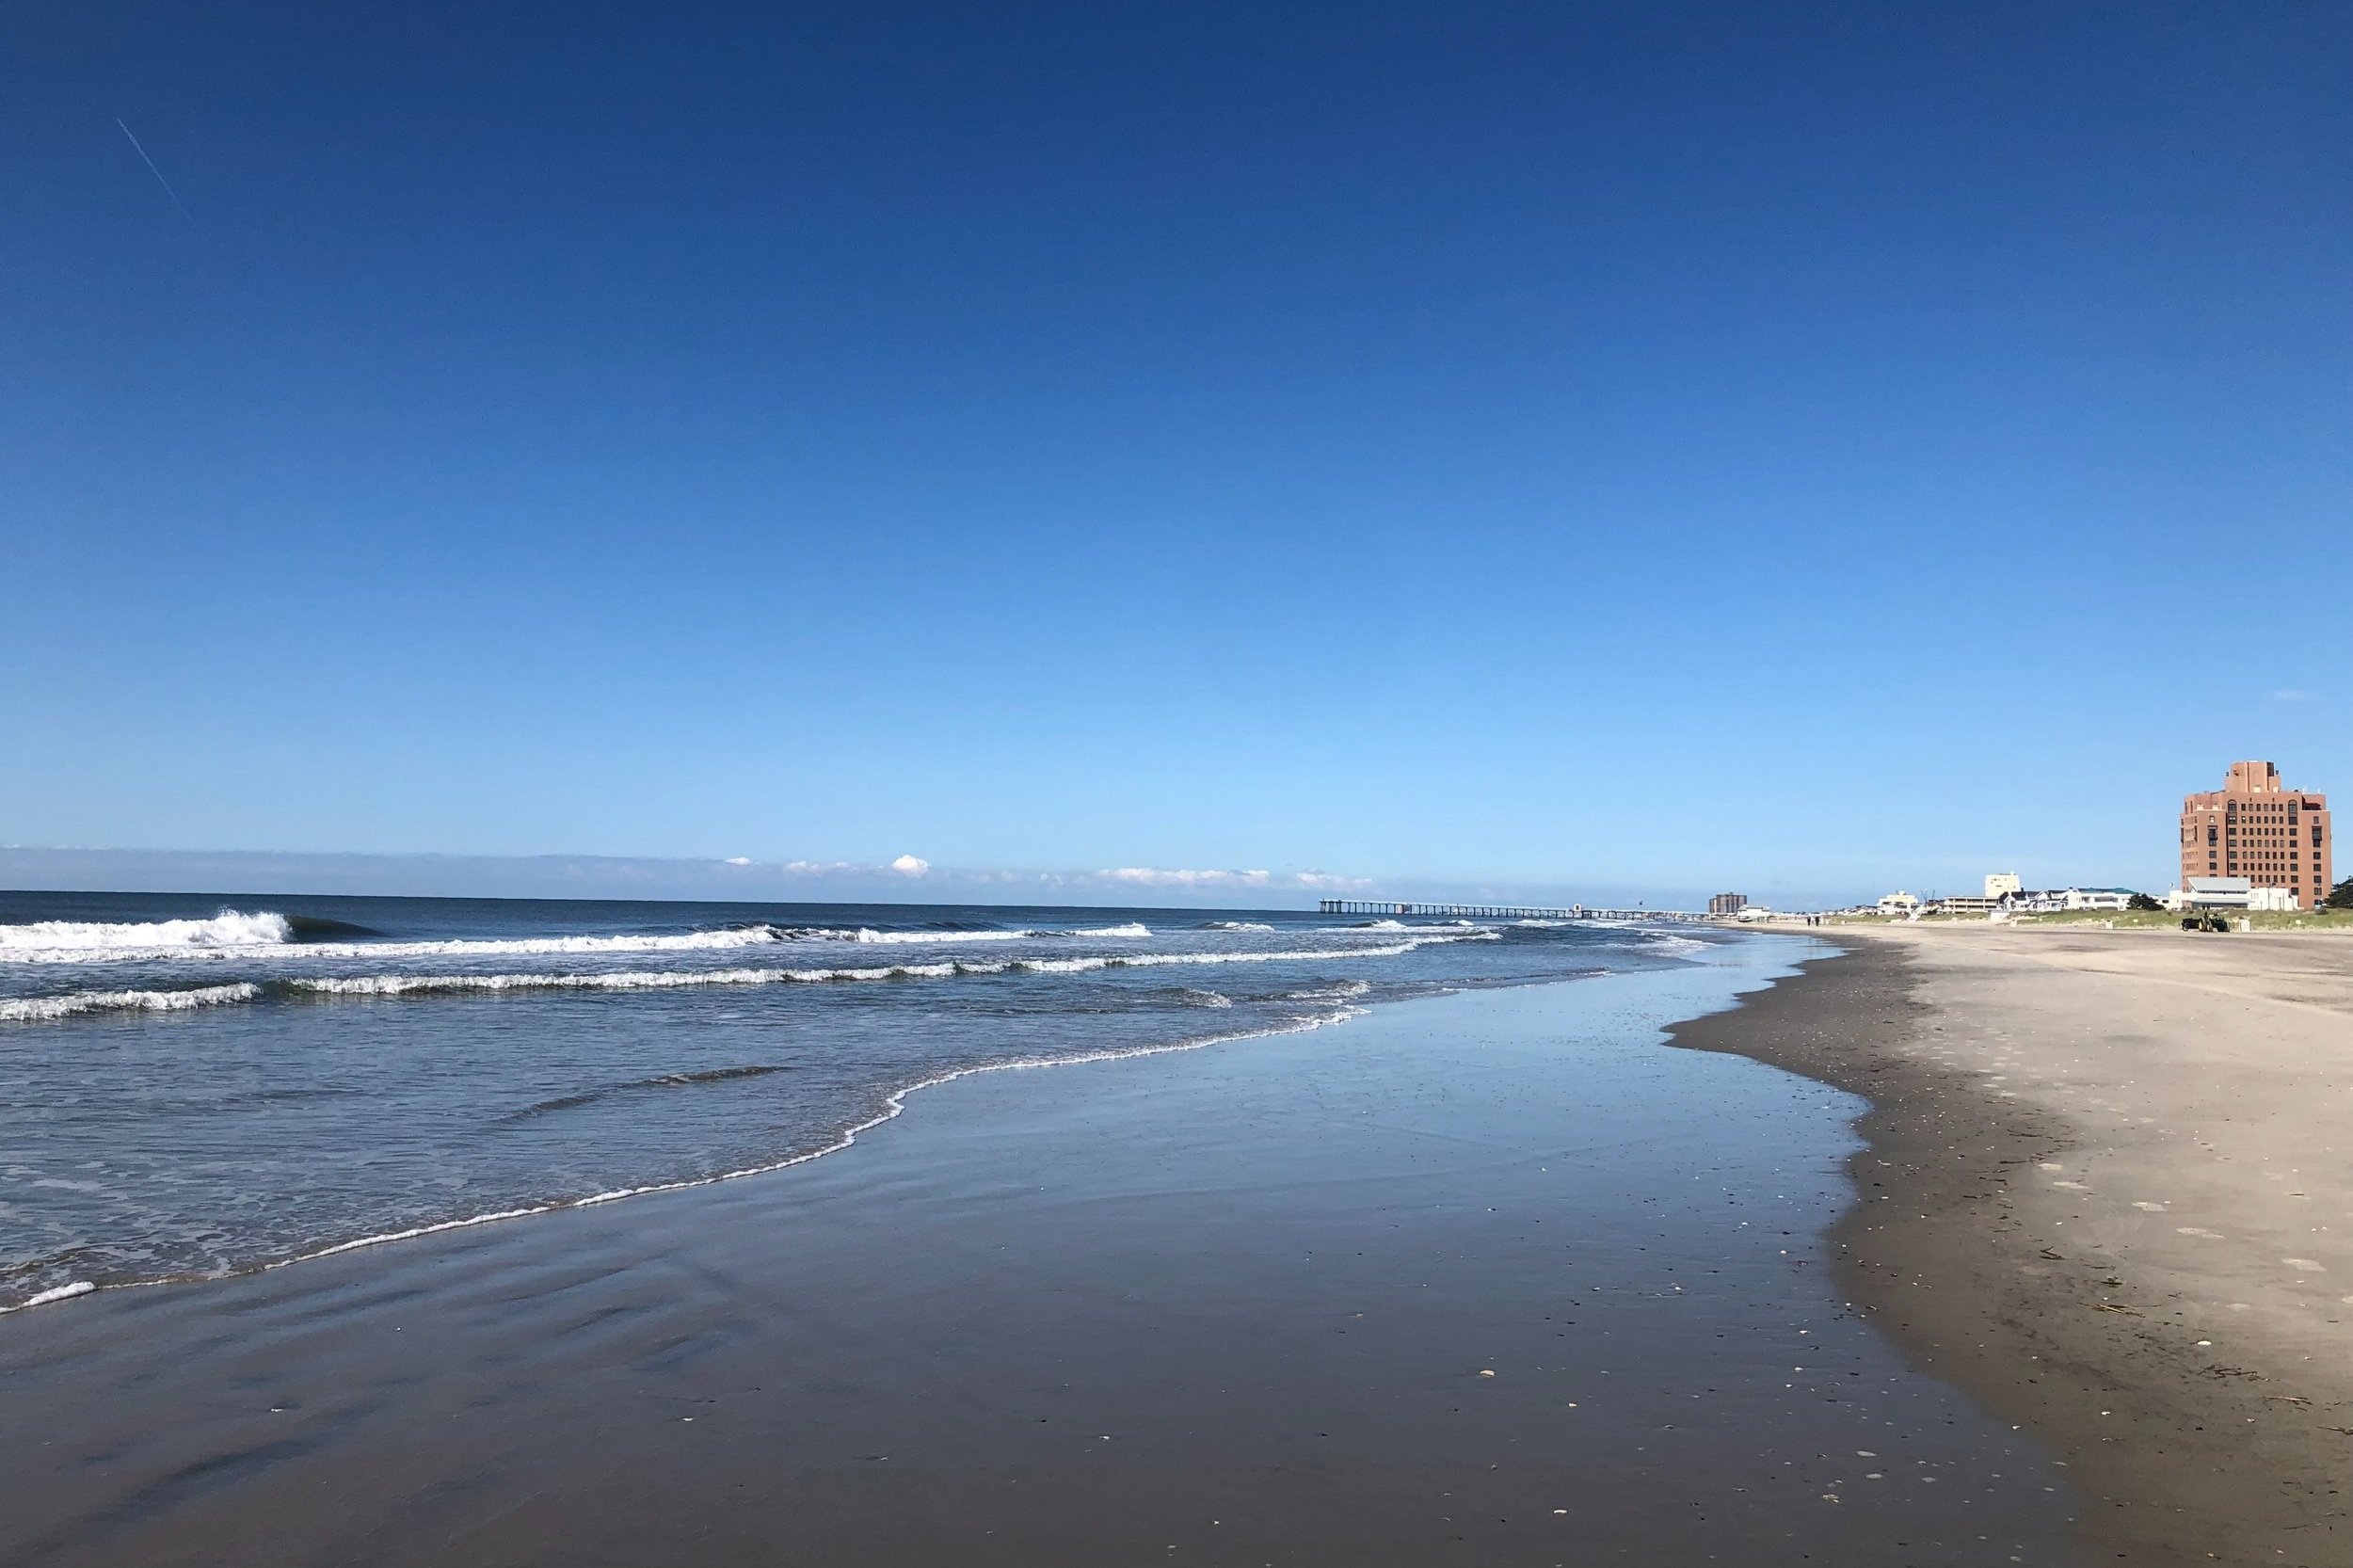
2305, 1265
2152, 1207
2193, 1230
2072, 1186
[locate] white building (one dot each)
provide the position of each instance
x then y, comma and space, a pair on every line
2000, 884
1960, 905
2213, 892
2230, 892
2054, 901
1899, 906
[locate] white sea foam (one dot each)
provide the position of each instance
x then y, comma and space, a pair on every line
911, 939
44, 1009
622, 980
1236, 925
231, 934
663, 979
60, 1293
70, 940
683, 941
927, 938
269, 935
1347, 990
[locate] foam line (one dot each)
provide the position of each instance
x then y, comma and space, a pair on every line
268, 935
235, 936
908, 938
618, 980
663, 980
61, 1293
926, 938
45, 1009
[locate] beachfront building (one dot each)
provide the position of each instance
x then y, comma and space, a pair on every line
1899, 906
2228, 892
2256, 827
1960, 904
2209, 892
2057, 901
1727, 904
2001, 885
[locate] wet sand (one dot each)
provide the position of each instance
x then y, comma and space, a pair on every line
2109, 1193
1488, 1279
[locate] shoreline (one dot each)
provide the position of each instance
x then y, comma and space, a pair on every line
2196, 1429
1465, 1280
894, 1106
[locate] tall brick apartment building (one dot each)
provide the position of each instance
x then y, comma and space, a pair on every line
2253, 828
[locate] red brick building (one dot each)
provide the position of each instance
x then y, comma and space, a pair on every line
2254, 827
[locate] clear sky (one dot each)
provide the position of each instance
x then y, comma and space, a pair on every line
1799, 448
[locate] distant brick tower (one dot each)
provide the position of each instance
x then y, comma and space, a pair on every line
2256, 828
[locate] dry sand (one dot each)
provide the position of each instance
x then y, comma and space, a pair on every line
2109, 1193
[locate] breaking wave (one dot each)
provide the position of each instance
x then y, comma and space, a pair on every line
666, 979
233, 935
618, 980
683, 941
930, 939
44, 1009
868, 934
87, 940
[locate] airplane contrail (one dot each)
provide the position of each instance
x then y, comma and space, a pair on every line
159, 175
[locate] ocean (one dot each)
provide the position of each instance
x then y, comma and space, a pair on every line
193, 1087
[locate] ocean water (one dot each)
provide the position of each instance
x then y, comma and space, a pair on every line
192, 1087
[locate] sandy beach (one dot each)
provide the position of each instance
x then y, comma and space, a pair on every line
2109, 1193
2056, 1271
1484, 1278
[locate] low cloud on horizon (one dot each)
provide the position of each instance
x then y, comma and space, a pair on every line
907, 878
738, 877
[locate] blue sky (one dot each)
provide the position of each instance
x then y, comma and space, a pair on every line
1805, 449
